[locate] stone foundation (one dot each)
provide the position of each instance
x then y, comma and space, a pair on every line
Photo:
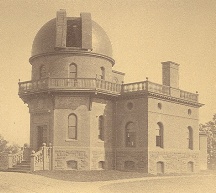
102, 156
132, 160
65, 158
173, 162
68, 158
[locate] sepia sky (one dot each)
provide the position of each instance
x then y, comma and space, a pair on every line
143, 33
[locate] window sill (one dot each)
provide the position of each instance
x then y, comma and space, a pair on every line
100, 141
159, 147
68, 140
130, 146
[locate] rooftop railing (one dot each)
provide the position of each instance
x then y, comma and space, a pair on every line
88, 84
69, 84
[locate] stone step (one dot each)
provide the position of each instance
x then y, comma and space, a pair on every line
24, 162
18, 170
22, 167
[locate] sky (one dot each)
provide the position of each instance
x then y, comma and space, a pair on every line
143, 34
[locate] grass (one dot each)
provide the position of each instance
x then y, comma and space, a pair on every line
90, 176
101, 175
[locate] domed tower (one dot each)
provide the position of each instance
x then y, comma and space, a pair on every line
71, 92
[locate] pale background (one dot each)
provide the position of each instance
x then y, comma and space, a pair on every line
143, 34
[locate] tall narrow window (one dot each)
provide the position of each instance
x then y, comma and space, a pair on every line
190, 137
43, 71
159, 135
130, 135
102, 73
101, 127
73, 71
42, 135
72, 126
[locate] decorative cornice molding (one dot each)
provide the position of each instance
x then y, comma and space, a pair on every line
74, 52
118, 96
174, 99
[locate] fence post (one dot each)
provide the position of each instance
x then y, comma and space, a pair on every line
50, 156
32, 161
44, 154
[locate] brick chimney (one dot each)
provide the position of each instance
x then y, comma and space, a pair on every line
170, 74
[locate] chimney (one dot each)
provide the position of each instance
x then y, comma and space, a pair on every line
170, 74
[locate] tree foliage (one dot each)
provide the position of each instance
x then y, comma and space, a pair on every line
6, 147
210, 130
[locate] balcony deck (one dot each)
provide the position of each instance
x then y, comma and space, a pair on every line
98, 85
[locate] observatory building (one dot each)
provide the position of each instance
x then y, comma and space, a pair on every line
93, 120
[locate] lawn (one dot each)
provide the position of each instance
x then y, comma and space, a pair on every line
102, 175
178, 184
90, 176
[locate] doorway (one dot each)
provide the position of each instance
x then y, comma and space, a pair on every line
41, 136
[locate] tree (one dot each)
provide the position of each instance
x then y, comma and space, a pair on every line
5, 147
210, 130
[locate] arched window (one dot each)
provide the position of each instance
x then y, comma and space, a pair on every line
130, 135
190, 166
73, 70
101, 164
72, 126
159, 135
190, 137
101, 127
102, 73
43, 71
115, 80
160, 167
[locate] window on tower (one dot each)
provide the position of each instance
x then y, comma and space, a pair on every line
102, 73
74, 36
130, 135
190, 137
159, 135
101, 127
73, 70
43, 71
72, 126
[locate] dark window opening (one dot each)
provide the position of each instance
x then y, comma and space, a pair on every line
74, 36
159, 135
73, 71
101, 164
102, 73
42, 136
72, 164
43, 71
130, 133
190, 138
72, 126
101, 127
